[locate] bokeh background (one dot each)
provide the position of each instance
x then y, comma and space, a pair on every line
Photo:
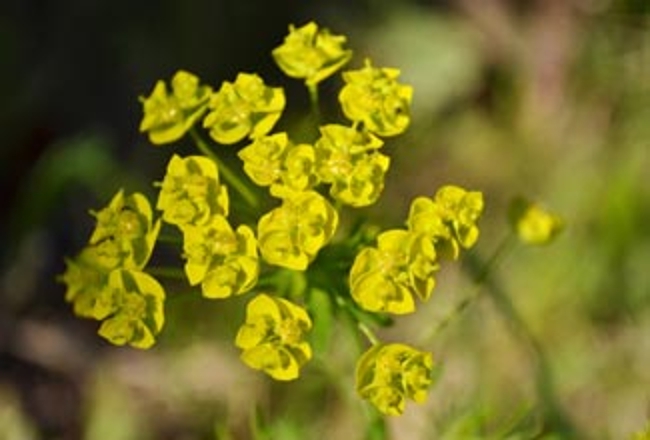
549, 99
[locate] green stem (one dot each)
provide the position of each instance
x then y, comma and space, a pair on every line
544, 381
368, 333
228, 175
479, 275
175, 273
553, 413
314, 102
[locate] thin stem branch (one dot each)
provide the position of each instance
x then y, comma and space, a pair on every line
479, 276
368, 333
228, 175
175, 273
314, 102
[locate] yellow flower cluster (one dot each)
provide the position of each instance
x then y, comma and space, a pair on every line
403, 264
533, 224
106, 280
193, 198
273, 337
342, 165
292, 234
374, 97
389, 374
168, 116
311, 54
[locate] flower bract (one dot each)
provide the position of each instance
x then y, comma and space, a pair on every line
533, 224
222, 260
449, 219
86, 282
125, 230
247, 107
311, 54
275, 161
292, 234
168, 116
387, 375
138, 314
373, 96
385, 278
191, 192
348, 160
273, 337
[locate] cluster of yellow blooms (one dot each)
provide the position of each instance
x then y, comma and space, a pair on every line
106, 280
343, 165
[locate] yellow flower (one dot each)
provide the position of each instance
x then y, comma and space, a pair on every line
385, 278
222, 260
86, 282
347, 159
449, 219
389, 374
533, 224
191, 192
292, 234
273, 337
263, 158
311, 54
167, 117
374, 97
276, 162
247, 107
126, 230
138, 314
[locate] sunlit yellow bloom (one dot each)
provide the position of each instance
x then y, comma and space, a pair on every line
385, 278
263, 158
292, 234
191, 192
449, 219
533, 224
348, 160
138, 314
389, 374
222, 260
373, 96
86, 282
276, 162
311, 54
247, 107
167, 117
125, 231
273, 337
298, 172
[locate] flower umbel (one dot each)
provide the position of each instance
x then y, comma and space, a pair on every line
385, 278
222, 260
86, 285
126, 225
449, 219
247, 107
389, 374
138, 314
311, 54
292, 234
533, 224
275, 161
191, 192
167, 117
273, 337
374, 97
347, 159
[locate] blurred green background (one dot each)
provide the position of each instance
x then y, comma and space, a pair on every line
549, 99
